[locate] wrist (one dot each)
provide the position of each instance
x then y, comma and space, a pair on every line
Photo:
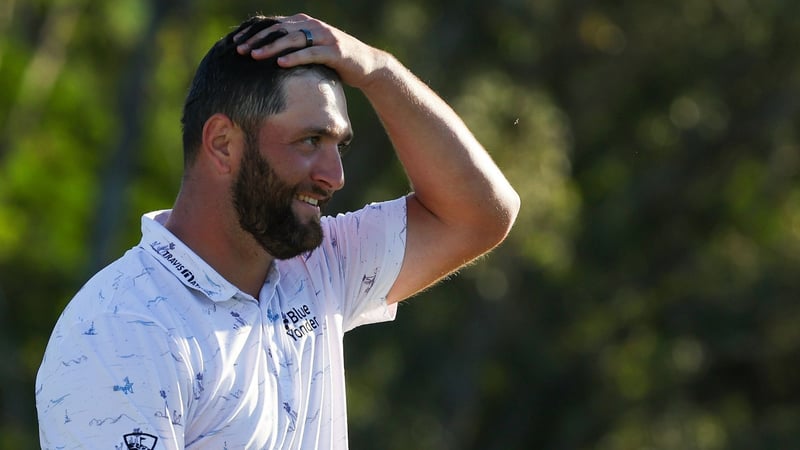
382, 69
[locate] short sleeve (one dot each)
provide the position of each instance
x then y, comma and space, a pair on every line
112, 380
369, 246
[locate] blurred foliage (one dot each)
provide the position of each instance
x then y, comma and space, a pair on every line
647, 297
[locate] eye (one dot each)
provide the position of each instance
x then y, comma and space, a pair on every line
312, 141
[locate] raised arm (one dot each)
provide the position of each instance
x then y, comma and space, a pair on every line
461, 205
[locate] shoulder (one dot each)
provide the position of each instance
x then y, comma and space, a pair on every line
390, 209
376, 221
348, 235
133, 285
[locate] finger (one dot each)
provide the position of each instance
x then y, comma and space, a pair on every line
240, 33
288, 42
250, 28
269, 38
259, 34
308, 55
291, 59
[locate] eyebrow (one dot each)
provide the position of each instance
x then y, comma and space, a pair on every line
347, 136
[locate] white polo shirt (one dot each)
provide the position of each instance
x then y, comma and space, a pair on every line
158, 351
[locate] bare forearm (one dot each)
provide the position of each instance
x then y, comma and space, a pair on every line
451, 173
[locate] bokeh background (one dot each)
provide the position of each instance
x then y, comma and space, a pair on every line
647, 297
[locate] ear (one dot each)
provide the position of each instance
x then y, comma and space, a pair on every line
222, 143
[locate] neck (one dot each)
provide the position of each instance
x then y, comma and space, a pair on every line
212, 231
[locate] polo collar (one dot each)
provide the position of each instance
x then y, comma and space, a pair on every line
181, 261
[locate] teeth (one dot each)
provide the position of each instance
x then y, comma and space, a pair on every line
307, 199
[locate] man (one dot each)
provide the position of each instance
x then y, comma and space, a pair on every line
223, 328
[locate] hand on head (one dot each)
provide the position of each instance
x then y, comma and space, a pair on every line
301, 39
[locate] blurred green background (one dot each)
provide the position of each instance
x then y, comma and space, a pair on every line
647, 297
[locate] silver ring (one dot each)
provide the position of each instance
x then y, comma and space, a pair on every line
309, 37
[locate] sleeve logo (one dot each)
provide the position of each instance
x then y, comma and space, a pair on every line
140, 441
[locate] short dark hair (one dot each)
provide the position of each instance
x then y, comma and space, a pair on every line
244, 89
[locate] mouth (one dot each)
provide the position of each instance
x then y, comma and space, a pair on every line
306, 199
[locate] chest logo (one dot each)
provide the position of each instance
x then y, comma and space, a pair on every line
299, 322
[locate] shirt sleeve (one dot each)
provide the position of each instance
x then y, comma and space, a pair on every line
369, 246
104, 384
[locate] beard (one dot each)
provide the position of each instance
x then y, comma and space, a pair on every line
263, 204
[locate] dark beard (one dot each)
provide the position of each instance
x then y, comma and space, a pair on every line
263, 203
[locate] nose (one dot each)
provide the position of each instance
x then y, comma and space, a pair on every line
328, 170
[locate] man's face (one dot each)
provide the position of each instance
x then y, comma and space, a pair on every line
278, 201
264, 204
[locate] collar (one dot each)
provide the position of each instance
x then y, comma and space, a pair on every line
181, 261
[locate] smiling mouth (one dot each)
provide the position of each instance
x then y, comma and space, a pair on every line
309, 200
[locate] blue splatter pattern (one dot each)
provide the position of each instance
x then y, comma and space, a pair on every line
159, 347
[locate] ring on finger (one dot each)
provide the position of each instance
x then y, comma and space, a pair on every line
309, 37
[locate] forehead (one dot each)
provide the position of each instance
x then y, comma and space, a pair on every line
313, 102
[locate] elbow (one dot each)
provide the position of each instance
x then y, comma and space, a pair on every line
513, 204
499, 219
509, 210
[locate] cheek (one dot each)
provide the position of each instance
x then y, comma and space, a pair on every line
292, 169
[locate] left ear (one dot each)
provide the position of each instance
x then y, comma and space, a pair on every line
222, 144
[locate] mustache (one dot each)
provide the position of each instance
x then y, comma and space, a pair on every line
324, 195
